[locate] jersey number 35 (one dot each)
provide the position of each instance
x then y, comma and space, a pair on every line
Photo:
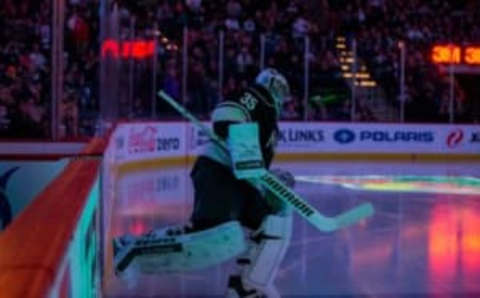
249, 101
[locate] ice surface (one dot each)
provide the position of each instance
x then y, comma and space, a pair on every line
417, 243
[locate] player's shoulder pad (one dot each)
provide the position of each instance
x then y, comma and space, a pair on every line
231, 111
262, 95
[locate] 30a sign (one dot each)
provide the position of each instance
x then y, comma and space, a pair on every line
455, 54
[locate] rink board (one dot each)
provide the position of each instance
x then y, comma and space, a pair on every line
180, 140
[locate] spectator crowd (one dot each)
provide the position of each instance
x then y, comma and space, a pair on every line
254, 32
382, 27
26, 70
284, 26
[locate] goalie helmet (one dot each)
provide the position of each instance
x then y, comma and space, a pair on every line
277, 86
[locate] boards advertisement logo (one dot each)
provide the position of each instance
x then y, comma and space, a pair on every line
143, 140
300, 136
344, 136
168, 144
454, 138
199, 138
475, 137
397, 136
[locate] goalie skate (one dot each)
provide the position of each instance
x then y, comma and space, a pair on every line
238, 289
176, 250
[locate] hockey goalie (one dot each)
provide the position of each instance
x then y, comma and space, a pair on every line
231, 217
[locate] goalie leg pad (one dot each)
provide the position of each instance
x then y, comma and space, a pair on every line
268, 248
164, 252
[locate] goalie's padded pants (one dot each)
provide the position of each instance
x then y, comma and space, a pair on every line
220, 197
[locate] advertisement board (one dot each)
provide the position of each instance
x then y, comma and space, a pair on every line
379, 138
150, 140
176, 139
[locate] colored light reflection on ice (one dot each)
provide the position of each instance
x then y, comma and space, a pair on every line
454, 246
427, 184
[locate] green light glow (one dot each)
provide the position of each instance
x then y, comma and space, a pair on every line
461, 185
83, 254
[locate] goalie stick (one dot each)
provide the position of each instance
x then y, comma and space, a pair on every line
281, 191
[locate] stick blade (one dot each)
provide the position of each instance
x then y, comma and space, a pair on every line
354, 215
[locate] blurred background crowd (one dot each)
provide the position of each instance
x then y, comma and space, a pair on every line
255, 33
26, 70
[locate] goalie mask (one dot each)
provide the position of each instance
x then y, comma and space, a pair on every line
277, 86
